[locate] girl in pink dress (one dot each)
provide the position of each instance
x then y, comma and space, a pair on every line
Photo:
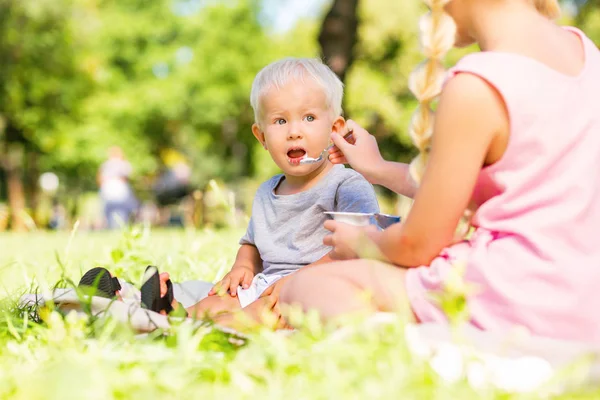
516, 140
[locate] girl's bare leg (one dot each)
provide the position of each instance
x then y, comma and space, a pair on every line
349, 287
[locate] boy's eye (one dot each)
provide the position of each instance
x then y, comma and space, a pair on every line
280, 121
310, 118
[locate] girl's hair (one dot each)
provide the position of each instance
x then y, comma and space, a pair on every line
281, 72
437, 35
548, 8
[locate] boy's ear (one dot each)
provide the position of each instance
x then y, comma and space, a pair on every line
339, 126
259, 135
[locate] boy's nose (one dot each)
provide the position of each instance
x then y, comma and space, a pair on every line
294, 133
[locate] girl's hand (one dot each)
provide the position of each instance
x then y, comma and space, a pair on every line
350, 242
363, 154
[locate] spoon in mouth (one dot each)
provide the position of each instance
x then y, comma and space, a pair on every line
309, 160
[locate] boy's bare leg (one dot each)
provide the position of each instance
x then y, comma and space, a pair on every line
207, 307
225, 310
253, 315
349, 287
213, 306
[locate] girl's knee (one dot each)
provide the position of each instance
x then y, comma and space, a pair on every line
289, 291
298, 285
309, 281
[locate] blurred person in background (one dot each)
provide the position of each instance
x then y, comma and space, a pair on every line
119, 200
173, 188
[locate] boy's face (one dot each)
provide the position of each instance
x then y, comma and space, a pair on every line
296, 121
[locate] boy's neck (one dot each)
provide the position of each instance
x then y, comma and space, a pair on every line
297, 184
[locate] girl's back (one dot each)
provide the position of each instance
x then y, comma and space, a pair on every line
537, 247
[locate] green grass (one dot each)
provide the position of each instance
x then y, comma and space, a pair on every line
77, 358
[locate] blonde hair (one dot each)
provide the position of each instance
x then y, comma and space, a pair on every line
437, 36
279, 73
548, 8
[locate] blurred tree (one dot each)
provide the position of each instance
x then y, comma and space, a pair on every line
386, 53
588, 19
338, 36
377, 83
177, 74
79, 76
40, 88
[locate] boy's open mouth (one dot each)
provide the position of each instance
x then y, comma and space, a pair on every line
295, 154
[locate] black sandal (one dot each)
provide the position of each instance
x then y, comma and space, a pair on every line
151, 299
98, 282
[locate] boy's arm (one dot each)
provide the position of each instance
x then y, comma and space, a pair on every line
267, 301
247, 264
248, 257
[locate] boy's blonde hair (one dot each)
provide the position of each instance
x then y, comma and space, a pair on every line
281, 72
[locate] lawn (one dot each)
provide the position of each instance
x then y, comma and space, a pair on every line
80, 358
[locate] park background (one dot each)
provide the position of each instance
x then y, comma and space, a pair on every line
168, 81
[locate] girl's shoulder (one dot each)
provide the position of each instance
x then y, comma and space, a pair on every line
519, 67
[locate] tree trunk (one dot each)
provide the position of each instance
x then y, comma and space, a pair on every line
13, 162
338, 36
32, 173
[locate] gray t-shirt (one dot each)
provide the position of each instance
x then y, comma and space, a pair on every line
288, 230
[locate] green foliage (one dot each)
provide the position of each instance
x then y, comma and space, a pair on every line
41, 82
377, 87
79, 76
589, 20
183, 83
82, 75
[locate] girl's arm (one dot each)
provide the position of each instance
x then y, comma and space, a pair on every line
471, 131
395, 176
364, 156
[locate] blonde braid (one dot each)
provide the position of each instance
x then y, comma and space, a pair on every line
548, 8
437, 35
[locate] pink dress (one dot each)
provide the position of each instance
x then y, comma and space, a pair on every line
535, 254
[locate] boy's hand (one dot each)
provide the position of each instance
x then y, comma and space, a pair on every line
238, 276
